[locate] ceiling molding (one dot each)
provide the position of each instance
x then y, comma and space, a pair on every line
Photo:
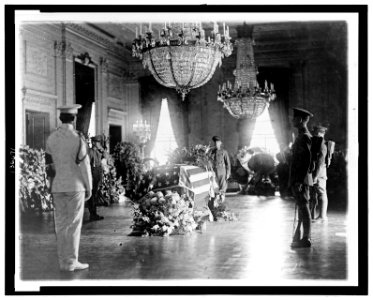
88, 32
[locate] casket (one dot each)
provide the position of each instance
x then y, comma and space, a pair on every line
198, 182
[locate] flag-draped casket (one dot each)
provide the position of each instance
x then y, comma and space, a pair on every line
197, 181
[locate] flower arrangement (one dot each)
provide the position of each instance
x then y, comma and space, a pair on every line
200, 154
196, 155
111, 187
129, 166
163, 214
180, 156
34, 192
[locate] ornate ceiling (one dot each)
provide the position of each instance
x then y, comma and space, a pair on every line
277, 44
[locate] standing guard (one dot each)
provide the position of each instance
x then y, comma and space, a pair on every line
69, 174
220, 164
300, 177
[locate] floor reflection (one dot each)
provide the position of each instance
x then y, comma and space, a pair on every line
256, 247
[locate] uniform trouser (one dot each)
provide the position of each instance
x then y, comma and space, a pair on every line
221, 180
319, 197
304, 215
68, 217
313, 203
96, 182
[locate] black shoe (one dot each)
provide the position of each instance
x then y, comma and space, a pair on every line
95, 218
303, 243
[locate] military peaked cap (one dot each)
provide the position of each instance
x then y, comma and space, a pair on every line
301, 112
69, 109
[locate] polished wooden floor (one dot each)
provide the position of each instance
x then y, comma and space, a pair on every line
254, 247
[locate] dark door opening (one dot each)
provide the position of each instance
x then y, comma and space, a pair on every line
84, 95
37, 129
115, 135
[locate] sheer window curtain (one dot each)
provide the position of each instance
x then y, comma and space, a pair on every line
165, 140
245, 128
178, 112
278, 109
152, 110
152, 94
280, 122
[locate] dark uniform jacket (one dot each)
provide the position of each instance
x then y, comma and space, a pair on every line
96, 156
300, 165
220, 162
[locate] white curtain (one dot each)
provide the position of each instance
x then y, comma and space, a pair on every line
165, 141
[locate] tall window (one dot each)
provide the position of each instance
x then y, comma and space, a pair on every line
263, 134
165, 141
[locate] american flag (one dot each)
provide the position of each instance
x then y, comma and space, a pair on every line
196, 180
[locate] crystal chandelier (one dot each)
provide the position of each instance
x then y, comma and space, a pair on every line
142, 131
182, 58
245, 99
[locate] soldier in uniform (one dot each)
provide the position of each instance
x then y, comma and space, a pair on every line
319, 174
220, 164
300, 177
69, 174
96, 154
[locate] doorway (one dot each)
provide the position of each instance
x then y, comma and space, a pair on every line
115, 135
37, 129
84, 95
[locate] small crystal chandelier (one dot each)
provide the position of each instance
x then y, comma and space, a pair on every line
142, 131
182, 58
245, 99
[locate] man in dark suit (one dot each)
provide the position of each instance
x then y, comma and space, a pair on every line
300, 178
